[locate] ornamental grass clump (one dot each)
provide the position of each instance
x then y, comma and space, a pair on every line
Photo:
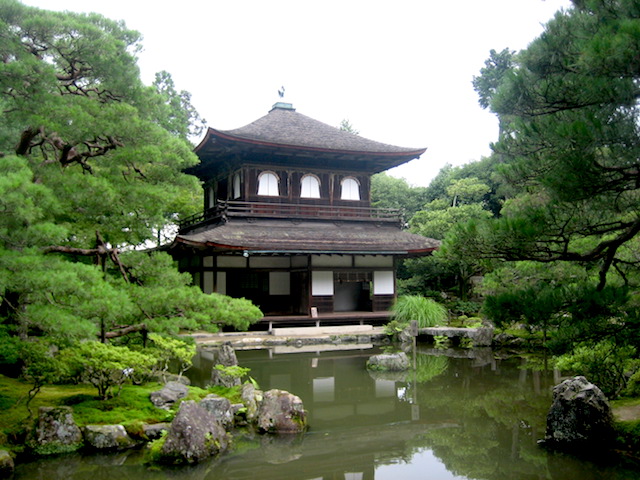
427, 312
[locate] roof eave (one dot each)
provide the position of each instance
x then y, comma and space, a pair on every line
254, 251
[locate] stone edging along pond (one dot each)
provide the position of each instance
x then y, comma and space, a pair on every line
300, 337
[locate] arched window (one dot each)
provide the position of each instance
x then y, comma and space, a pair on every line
268, 184
350, 189
236, 186
309, 187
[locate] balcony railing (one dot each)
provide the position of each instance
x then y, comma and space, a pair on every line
228, 209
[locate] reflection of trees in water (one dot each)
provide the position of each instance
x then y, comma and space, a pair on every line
429, 366
499, 412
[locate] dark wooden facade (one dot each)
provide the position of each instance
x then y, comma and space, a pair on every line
288, 223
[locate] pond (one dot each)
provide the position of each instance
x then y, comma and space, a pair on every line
463, 415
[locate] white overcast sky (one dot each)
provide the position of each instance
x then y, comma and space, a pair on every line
400, 71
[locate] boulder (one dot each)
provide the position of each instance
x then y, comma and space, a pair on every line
168, 395
55, 431
220, 407
481, 337
389, 362
165, 377
405, 336
225, 356
107, 437
154, 431
580, 417
251, 398
6, 464
389, 376
281, 412
194, 436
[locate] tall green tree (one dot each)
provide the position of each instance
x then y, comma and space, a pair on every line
462, 201
569, 111
91, 165
392, 192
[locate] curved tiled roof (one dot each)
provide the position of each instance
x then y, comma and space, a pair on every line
283, 126
281, 236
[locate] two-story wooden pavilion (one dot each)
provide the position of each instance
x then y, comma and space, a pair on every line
288, 221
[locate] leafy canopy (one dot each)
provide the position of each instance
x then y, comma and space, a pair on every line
569, 141
91, 164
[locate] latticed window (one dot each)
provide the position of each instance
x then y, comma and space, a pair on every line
344, 277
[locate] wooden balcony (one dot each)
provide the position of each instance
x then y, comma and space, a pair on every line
225, 210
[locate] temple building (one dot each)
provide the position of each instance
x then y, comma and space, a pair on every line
288, 223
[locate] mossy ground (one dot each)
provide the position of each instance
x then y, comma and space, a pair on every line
131, 408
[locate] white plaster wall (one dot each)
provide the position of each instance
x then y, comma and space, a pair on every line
321, 283
383, 282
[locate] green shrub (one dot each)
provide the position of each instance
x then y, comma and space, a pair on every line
604, 364
442, 341
40, 367
466, 308
633, 385
105, 366
167, 349
154, 449
425, 311
466, 322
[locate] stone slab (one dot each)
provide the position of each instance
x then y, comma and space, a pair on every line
316, 331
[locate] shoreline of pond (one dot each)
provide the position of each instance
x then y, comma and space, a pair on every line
298, 340
295, 338
348, 340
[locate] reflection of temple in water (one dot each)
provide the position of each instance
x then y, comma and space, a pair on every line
360, 421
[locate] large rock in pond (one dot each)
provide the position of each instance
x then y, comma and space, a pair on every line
55, 431
389, 362
6, 464
251, 399
107, 437
225, 356
220, 408
281, 412
580, 417
195, 435
169, 394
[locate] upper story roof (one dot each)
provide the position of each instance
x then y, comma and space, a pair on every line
287, 137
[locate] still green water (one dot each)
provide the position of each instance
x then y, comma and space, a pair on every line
465, 415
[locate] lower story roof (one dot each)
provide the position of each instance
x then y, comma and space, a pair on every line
286, 236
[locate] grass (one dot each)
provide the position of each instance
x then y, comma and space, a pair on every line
625, 402
425, 311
